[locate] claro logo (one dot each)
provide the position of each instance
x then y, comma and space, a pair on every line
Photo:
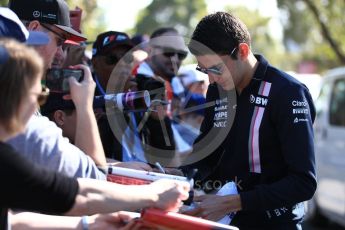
299, 103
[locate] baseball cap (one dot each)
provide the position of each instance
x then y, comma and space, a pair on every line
194, 102
110, 39
54, 12
12, 27
189, 75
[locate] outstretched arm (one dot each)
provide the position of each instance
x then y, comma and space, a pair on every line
87, 135
51, 193
35, 221
104, 197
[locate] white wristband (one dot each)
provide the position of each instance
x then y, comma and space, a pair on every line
85, 223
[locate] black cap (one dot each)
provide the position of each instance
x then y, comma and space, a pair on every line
110, 39
54, 12
56, 102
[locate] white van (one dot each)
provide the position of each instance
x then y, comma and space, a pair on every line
329, 200
312, 81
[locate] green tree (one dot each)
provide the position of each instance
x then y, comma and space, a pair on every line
93, 21
316, 29
3, 2
181, 14
263, 41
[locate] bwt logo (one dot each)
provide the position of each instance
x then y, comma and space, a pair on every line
258, 100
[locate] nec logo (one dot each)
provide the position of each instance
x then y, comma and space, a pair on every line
260, 101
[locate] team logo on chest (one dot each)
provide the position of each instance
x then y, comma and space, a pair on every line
258, 100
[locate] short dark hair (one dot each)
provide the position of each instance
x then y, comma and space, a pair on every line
158, 32
50, 115
220, 32
56, 102
19, 68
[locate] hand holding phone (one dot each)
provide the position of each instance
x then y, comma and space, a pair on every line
57, 79
82, 92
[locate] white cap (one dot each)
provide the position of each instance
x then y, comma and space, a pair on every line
188, 74
12, 27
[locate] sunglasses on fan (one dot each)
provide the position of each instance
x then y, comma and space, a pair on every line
170, 52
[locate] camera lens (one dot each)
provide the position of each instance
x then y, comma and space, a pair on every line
129, 102
134, 101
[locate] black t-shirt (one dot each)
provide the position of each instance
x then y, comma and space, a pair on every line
27, 186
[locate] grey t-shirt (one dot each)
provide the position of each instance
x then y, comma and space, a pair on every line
43, 144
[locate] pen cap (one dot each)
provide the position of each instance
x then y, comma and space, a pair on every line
189, 201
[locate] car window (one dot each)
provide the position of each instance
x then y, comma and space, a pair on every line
322, 100
337, 106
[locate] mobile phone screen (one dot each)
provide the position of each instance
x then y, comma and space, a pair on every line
57, 79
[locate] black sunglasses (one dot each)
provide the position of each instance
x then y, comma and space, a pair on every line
214, 70
169, 52
60, 39
217, 69
113, 59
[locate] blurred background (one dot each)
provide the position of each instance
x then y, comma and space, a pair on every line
297, 35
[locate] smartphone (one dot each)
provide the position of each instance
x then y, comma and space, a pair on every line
57, 79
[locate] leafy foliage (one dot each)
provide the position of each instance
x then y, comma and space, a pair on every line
3, 2
181, 14
316, 30
313, 29
264, 41
93, 21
